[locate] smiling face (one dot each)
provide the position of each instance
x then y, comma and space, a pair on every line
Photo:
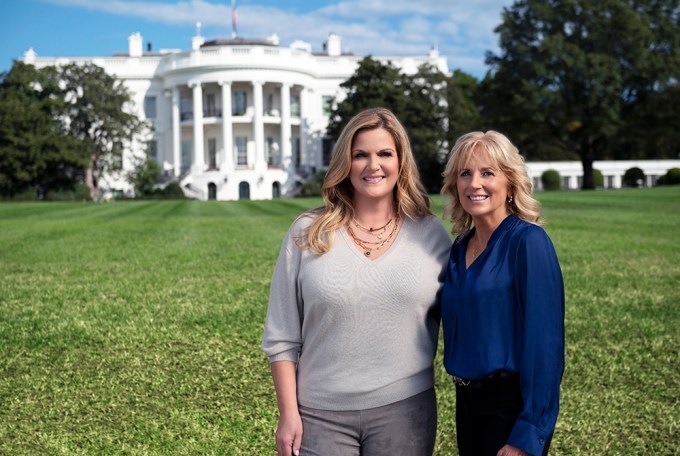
483, 190
375, 164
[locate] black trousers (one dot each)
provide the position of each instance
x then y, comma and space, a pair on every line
486, 414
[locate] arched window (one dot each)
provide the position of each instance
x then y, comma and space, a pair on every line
212, 191
276, 190
244, 190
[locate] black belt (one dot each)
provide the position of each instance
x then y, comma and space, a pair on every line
479, 383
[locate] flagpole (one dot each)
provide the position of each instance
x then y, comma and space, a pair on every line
234, 19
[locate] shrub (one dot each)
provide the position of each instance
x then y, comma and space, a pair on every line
313, 187
633, 176
551, 180
672, 177
598, 178
173, 191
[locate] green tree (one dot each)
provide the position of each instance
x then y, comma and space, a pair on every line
572, 74
425, 119
143, 176
462, 109
98, 113
372, 85
420, 101
35, 152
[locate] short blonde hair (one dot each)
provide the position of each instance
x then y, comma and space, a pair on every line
505, 156
410, 197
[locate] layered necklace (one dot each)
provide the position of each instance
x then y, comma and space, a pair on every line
383, 234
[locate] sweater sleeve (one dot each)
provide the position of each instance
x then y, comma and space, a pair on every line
282, 338
540, 291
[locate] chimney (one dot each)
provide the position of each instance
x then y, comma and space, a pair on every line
197, 41
135, 42
333, 45
29, 56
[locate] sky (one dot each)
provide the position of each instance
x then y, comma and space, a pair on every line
463, 31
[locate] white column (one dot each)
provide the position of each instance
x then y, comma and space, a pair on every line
309, 161
258, 127
286, 147
198, 164
176, 134
227, 159
573, 182
616, 182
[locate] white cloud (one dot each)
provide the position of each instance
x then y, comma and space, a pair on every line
463, 30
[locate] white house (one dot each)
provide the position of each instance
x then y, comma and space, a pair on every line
238, 118
235, 118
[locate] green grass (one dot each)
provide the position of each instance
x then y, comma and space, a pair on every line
134, 327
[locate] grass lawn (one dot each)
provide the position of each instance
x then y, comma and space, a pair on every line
134, 327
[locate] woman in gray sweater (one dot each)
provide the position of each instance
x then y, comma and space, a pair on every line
353, 318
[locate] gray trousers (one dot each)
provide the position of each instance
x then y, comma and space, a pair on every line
407, 427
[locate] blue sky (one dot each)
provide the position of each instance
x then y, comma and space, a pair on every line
462, 30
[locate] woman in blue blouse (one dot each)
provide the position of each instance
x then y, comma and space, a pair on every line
502, 303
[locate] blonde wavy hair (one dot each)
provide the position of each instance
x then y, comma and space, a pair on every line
410, 197
504, 156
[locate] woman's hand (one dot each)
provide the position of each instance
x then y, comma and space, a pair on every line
508, 450
289, 430
289, 435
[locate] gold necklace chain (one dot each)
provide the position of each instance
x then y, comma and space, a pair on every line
370, 230
365, 245
474, 246
377, 232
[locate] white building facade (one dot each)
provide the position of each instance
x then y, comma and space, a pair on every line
235, 119
571, 172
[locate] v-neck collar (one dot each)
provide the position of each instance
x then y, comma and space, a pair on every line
498, 232
405, 221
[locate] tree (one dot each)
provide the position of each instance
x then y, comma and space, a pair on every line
572, 74
420, 101
372, 85
98, 114
462, 108
35, 152
425, 119
143, 176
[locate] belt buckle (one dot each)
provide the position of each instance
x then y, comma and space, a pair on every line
459, 381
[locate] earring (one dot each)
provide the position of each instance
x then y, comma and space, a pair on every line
510, 199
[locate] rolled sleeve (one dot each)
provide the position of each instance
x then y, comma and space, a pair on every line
282, 337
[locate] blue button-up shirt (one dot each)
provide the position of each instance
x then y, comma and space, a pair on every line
506, 313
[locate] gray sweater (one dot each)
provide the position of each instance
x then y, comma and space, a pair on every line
363, 332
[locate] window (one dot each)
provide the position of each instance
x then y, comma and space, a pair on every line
327, 150
186, 155
150, 107
210, 110
327, 103
269, 109
295, 105
273, 152
240, 103
185, 109
152, 150
212, 153
241, 150
297, 156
